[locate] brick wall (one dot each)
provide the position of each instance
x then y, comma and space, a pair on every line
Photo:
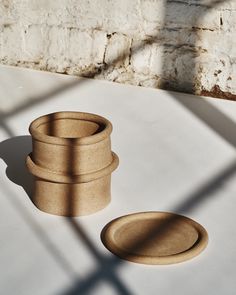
186, 45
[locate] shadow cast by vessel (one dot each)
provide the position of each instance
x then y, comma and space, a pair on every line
13, 151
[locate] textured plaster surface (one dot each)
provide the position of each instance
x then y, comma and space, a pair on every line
186, 45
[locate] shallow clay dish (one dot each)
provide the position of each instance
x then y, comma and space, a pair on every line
154, 238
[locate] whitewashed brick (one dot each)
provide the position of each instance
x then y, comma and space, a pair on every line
118, 50
141, 56
12, 42
33, 42
187, 16
153, 11
80, 46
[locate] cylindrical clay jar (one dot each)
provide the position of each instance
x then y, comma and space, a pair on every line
72, 163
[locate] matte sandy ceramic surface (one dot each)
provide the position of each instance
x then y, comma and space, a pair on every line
154, 238
45, 174
71, 142
72, 163
72, 199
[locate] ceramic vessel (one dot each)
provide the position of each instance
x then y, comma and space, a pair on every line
72, 163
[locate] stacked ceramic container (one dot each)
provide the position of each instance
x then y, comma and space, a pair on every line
72, 163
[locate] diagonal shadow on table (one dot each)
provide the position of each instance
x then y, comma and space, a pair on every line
19, 147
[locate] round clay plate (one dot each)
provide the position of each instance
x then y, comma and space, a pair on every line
154, 237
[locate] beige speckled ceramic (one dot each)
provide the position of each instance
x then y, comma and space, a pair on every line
154, 237
72, 162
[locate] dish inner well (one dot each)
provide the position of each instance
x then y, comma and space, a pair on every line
155, 236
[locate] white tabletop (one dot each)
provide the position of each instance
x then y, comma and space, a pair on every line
177, 153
